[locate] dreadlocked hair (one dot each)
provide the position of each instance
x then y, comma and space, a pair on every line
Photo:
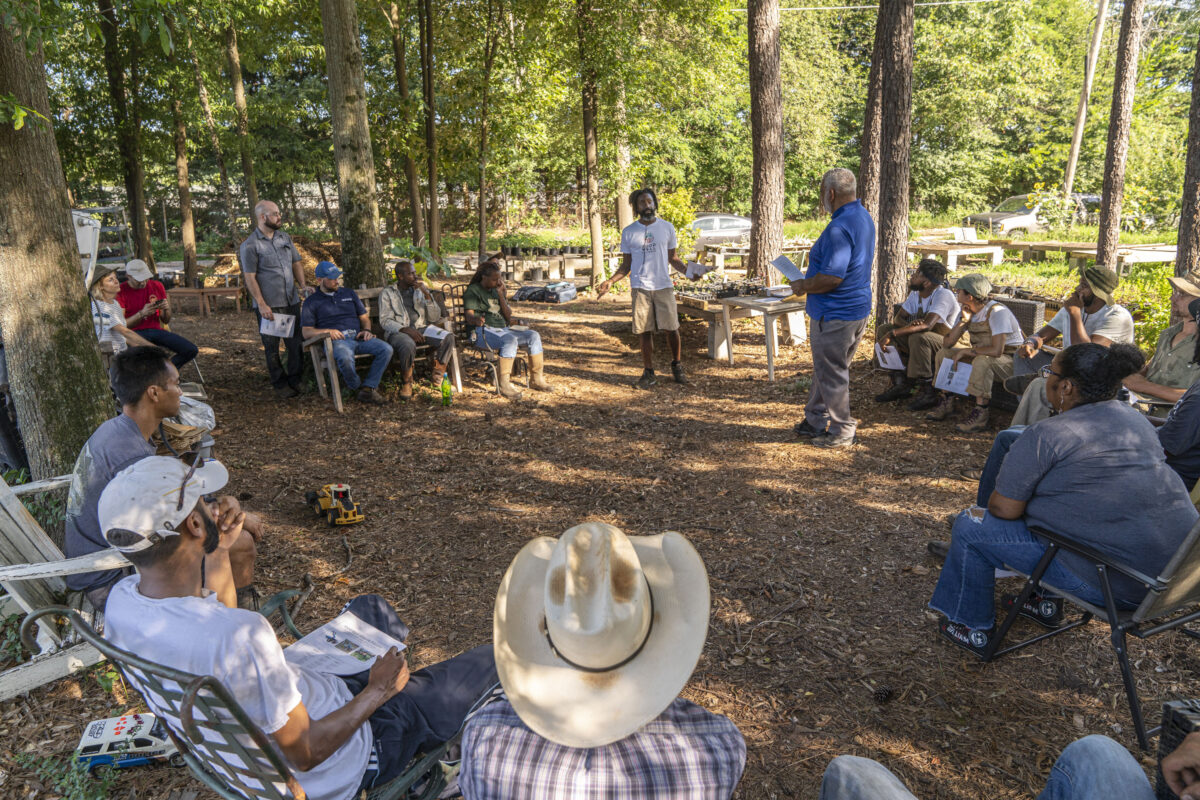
485, 269
1098, 371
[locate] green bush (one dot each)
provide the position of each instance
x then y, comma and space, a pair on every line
678, 209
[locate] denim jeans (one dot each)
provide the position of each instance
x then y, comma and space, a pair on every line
965, 591
344, 351
991, 468
1089, 768
509, 342
184, 350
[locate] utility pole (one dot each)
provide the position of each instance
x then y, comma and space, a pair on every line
1089, 72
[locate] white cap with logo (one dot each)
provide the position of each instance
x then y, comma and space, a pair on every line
143, 500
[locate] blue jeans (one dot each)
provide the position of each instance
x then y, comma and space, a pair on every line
344, 351
432, 705
1089, 768
509, 342
965, 591
184, 350
991, 468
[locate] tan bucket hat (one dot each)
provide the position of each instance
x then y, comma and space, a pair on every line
596, 633
1184, 285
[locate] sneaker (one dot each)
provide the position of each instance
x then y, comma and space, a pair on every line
1045, 611
828, 440
647, 380
1017, 384
897, 392
677, 374
370, 395
943, 409
973, 639
926, 398
285, 392
938, 549
975, 421
806, 431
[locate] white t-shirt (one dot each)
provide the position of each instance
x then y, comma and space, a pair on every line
1002, 320
105, 316
647, 246
202, 636
942, 302
1114, 323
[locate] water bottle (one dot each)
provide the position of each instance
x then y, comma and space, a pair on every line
445, 389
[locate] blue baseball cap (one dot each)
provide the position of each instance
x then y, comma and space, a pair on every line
327, 269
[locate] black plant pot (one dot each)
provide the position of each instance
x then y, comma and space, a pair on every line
516, 251
506, 250
553, 251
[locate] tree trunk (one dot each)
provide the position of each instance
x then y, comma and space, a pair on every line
491, 39
624, 179
128, 135
426, 39
399, 38
56, 379
188, 225
358, 206
243, 121
868, 153
141, 221
586, 22
1187, 261
329, 221
1118, 133
227, 196
896, 28
766, 125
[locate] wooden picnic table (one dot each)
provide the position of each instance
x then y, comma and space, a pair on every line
1036, 251
950, 251
1127, 255
207, 296
770, 309
711, 312
742, 251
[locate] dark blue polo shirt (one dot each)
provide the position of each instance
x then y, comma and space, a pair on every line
845, 250
339, 311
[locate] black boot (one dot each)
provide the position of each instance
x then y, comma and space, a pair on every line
901, 388
926, 398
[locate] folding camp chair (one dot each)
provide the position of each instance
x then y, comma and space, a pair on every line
222, 747
464, 338
1172, 601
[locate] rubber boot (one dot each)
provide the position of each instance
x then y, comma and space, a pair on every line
537, 379
406, 387
504, 370
439, 371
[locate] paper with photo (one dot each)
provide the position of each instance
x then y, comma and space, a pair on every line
784, 266
282, 326
434, 332
343, 646
953, 378
889, 357
696, 270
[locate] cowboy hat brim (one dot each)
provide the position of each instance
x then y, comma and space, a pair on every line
589, 709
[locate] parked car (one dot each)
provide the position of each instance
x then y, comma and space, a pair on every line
1016, 215
712, 228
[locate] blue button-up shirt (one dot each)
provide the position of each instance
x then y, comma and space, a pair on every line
844, 250
684, 752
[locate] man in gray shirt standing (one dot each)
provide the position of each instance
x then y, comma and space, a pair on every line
273, 275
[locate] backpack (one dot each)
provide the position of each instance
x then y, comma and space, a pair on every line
561, 292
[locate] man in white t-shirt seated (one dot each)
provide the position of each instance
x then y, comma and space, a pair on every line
918, 327
994, 336
1088, 315
647, 256
340, 733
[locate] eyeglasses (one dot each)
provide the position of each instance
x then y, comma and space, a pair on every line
1046, 372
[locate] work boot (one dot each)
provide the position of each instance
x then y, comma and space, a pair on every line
369, 394
943, 409
926, 398
677, 373
901, 388
504, 370
537, 378
647, 381
439, 372
406, 386
975, 421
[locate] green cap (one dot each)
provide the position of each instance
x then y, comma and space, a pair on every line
976, 285
1102, 282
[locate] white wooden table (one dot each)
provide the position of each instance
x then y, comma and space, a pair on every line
720, 252
792, 310
950, 251
1127, 255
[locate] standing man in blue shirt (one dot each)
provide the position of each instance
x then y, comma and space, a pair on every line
838, 285
337, 311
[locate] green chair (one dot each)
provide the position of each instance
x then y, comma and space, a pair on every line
224, 749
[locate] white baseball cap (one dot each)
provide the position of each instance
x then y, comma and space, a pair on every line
143, 500
138, 270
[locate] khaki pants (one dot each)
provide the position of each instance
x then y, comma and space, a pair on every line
1034, 405
655, 310
919, 350
985, 370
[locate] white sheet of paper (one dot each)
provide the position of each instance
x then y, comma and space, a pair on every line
953, 380
889, 357
282, 326
343, 646
494, 331
434, 332
787, 269
697, 270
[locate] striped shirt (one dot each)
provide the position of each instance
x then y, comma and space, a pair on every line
686, 752
105, 315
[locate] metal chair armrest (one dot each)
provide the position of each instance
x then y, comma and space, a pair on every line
1071, 546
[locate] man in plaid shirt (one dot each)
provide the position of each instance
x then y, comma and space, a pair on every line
595, 635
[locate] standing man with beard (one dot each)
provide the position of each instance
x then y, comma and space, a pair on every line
272, 273
647, 256
838, 285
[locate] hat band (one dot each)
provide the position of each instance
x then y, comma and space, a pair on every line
619, 664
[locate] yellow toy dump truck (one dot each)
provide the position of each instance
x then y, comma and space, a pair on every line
333, 502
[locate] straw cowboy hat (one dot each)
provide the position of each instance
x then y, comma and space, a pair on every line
596, 633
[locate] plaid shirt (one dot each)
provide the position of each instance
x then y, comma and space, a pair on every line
686, 752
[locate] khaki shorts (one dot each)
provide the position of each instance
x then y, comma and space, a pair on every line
655, 310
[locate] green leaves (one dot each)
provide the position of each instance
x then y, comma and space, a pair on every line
15, 113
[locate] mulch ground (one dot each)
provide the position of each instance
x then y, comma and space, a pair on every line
819, 643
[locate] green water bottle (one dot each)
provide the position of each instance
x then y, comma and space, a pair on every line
445, 389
